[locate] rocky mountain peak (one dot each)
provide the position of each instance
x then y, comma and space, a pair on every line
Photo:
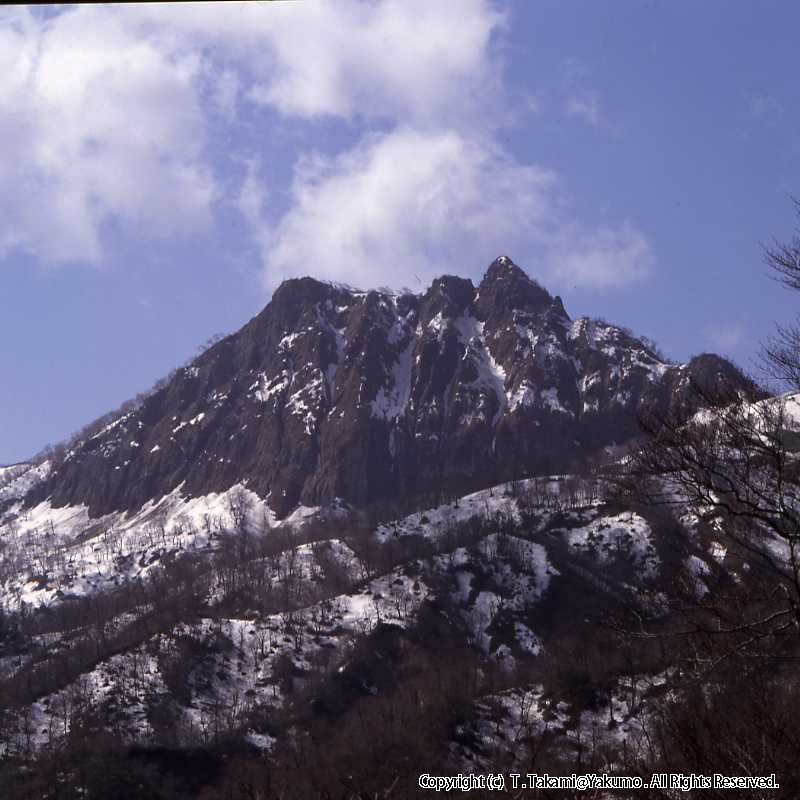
293, 298
506, 287
331, 392
298, 291
503, 267
450, 296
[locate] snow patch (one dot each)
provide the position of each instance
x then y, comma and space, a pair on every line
391, 399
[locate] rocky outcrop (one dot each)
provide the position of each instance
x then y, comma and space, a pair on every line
366, 396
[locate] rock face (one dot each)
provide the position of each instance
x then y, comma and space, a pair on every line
330, 392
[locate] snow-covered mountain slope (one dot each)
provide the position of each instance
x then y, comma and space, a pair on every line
51, 554
272, 605
19, 479
367, 396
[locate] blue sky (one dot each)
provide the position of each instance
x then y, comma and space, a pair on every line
165, 166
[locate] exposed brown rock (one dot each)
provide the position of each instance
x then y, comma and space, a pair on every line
367, 396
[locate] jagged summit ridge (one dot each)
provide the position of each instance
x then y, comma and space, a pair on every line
504, 269
331, 392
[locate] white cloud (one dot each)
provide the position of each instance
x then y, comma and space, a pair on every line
104, 109
409, 60
600, 258
409, 203
398, 58
98, 125
403, 203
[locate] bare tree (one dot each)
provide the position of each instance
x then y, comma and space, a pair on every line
781, 353
239, 505
734, 466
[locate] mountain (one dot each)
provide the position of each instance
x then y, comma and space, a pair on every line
326, 557
335, 394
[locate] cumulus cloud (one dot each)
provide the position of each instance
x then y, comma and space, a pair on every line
403, 203
400, 59
104, 110
106, 113
97, 125
408, 203
433, 194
